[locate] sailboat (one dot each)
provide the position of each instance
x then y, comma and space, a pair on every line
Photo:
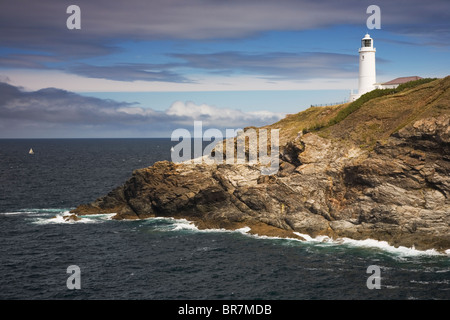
172, 149
31, 151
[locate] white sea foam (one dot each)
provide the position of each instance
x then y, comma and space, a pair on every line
246, 231
372, 243
100, 216
183, 224
62, 218
12, 213
243, 230
32, 212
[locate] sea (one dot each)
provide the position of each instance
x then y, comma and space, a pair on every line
43, 256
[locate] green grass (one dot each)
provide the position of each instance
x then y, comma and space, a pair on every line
385, 110
355, 105
412, 84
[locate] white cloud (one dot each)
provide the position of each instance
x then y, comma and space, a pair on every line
190, 109
136, 111
53, 111
212, 116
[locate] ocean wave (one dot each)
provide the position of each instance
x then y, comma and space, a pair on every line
183, 224
12, 213
401, 251
367, 243
372, 243
34, 212
58, 216
173, 224
62, 218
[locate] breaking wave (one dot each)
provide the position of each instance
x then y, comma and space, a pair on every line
64, 218
168, 224
371, 243
58, 216
185, 225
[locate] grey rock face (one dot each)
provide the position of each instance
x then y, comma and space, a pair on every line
398, 192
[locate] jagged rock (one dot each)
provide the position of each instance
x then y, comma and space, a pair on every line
71, 217
398, 192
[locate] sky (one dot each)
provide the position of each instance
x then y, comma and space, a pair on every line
143, 68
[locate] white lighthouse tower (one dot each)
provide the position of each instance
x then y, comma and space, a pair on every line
367, 72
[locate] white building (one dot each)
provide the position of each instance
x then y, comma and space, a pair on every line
367, 72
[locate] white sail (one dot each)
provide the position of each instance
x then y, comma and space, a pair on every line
31, 151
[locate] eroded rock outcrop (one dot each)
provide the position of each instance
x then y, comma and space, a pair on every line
398, 192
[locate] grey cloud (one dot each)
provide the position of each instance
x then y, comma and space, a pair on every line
41, 26
54, 112
60, 106
28, 61
277, 64
120, 72
128, 72
30, 22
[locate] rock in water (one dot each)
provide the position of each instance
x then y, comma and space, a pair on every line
71, 217
398, 191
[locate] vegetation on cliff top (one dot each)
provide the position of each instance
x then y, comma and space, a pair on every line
374, 116
355, 105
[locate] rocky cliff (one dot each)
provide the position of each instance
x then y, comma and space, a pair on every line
390, 182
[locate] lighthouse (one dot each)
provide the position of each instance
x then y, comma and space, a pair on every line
367, 72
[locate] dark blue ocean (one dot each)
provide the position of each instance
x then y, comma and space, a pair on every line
166, 258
